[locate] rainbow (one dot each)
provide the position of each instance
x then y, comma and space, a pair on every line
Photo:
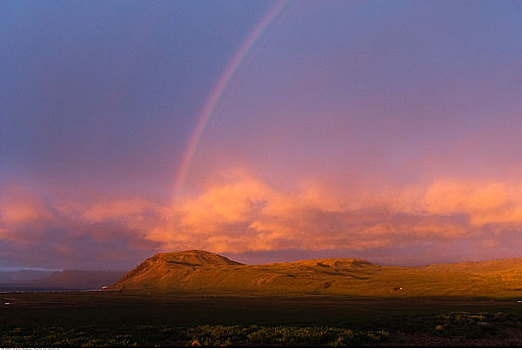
217, 92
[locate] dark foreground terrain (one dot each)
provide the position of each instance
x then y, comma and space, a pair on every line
131, 319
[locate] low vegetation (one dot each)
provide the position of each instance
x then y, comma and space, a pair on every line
107, 319
207, 335
457, 327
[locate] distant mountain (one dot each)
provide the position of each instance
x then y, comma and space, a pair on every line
22, 275
79, 279
200, 271
64, 280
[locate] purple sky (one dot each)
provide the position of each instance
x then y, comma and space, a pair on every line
386, 130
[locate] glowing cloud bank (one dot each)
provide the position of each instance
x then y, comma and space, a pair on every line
447, 219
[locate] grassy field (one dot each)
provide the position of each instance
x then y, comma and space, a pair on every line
176, 319
196, 271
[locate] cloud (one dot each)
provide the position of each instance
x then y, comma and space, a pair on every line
242, 213
483, 202
17, 207
249, 215
55, 233
226, 204
116, 209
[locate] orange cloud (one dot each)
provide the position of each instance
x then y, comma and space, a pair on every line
114, 209
225, 204
242, 213
19, 208
248, 215
484, 202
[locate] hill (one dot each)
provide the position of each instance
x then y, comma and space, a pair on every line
199, 271
504, 266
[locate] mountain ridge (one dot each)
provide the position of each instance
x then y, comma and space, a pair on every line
200, 271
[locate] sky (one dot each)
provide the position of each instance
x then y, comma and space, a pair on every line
260, 130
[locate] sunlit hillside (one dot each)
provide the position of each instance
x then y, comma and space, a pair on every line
207, 272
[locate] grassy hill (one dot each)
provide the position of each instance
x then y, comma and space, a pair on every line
210, 273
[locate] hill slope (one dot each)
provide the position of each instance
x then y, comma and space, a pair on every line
207, 272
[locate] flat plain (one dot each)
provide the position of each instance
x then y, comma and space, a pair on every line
150, 319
